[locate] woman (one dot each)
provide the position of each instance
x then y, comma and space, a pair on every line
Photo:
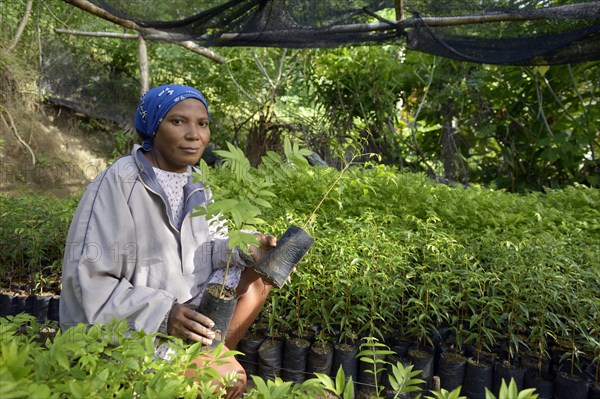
133, 250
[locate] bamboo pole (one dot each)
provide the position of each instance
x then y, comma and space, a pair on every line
112, 35
102, 13
188, 44
143, 59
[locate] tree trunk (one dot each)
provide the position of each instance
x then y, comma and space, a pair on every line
448, 144
262, 137
22, 25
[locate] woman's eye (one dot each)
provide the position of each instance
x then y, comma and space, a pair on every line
177, 122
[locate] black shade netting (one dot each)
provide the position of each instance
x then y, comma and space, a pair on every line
75, 79
494, 32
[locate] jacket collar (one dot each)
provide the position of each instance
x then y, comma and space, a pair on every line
193, 192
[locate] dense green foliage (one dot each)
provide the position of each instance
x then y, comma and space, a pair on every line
33, 234
111, 362
86, 362
397, 253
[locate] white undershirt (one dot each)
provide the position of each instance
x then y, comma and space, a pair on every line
173, 184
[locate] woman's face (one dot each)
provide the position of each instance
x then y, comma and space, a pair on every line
182, 136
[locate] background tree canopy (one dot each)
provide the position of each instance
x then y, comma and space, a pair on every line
513, 127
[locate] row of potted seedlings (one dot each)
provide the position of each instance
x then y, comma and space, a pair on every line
522, 316
43, 307
295, 358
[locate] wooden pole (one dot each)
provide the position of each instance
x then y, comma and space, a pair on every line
437, 384
102, 13
143, 57
110, 35
188, 44
399, 7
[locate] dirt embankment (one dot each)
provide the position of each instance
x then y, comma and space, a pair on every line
51, 149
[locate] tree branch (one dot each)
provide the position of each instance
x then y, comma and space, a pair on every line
112, 35
22, 25
102, 13
399, 8
15, 131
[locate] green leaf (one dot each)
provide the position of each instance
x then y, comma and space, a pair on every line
76, 389
262, 202
38, 391
348, 390
61, 357
340, 379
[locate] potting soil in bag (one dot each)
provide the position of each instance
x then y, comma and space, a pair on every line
39, 306
7, 307
22, 304
320, 358
344, 355
544, 387
505, 371
567, 386
295, 358
278, 264
423, 360
478, 377
270, 358
249, 347
218, 304
451, 370
53, 309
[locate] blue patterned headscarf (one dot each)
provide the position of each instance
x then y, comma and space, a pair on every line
155, 104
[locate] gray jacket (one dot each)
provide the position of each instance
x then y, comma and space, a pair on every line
124, 259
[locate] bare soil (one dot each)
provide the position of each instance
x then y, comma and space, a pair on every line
51, 149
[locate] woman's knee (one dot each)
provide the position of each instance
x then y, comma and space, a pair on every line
230, 371
235, 387
252, 284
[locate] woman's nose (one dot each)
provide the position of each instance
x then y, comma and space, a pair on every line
194, 132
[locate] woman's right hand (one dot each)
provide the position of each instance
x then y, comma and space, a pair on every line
185, 322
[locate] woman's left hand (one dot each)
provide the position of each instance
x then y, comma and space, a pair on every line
266, 243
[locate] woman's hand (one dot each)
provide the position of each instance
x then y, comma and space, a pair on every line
266, 243
185, 322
